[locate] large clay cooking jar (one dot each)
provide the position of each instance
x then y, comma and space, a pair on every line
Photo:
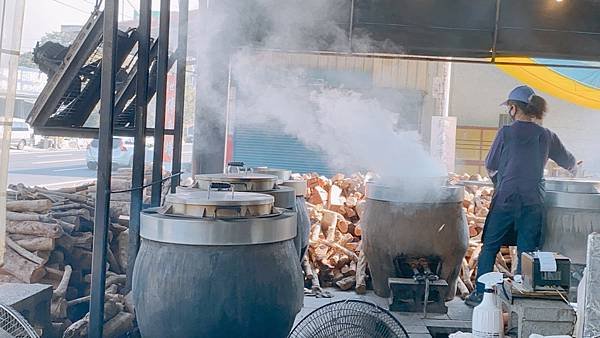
215, 274
416, 219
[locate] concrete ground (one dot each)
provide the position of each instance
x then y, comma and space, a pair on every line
457, 319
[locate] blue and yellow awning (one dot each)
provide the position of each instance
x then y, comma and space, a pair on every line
580, 86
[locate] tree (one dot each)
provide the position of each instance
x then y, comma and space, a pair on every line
64, 38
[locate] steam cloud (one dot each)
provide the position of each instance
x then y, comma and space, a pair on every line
356, 132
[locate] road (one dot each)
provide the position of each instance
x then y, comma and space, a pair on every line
56, 167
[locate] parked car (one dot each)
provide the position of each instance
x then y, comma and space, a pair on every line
21, 134
122, 154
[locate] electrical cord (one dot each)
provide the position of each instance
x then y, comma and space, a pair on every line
147, 185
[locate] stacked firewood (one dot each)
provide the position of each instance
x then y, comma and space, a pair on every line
476, 205
49, 240
334, 255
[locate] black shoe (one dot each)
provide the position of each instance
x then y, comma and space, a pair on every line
474, 299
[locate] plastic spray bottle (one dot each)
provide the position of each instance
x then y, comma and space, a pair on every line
487, 316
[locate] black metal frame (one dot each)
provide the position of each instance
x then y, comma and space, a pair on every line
139, 149
161, 101
105, 133
102, 214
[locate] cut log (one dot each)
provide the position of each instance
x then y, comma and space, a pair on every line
40, 206
116, 227
24, 253
71, 197
342, 225
67, 227
36, 243
129, 305
346, 283
335, 197
35, 228
84, 213
124, 221
342, 249
79, 328
361, 272
118, 325
57, 257
82, 240
22, 268
122, 249
357, 230
462, 289
72, 220
58, 308
308, 272
112, 261
316, 285
53, 273
81, 258
118, 209
316, 231
17, 216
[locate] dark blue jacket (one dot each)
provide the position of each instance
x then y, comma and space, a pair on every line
520, 160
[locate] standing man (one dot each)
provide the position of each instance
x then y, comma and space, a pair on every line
516, 164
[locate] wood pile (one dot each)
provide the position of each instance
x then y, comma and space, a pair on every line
49, 240
476, 205
334, 256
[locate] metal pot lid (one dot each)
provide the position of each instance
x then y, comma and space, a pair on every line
219, 198
241, 181
282, 174
573, 185
418, 192
299, 186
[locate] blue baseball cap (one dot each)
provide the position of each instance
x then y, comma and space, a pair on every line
521, 94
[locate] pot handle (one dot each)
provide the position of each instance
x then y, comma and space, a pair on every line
220, 186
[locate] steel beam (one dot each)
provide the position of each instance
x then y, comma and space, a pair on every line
102, 215
86, 132
180, 92
161, 100
139, 148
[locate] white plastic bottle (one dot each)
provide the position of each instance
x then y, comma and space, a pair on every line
487, 316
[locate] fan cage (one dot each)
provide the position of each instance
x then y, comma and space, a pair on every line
349, 319
13, 324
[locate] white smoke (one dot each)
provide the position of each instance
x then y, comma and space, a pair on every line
354, 131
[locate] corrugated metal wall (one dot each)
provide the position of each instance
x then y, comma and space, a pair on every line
412, 79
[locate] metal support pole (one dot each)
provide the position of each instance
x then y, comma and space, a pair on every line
101, 220
139, 148
180, 92
161, 100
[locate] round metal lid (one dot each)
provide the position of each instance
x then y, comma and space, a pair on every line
280, 226
240, 181
415, 192
198, 203
573, 185
299, 186
282, 174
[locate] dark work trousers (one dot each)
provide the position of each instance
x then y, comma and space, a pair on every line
527, 224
